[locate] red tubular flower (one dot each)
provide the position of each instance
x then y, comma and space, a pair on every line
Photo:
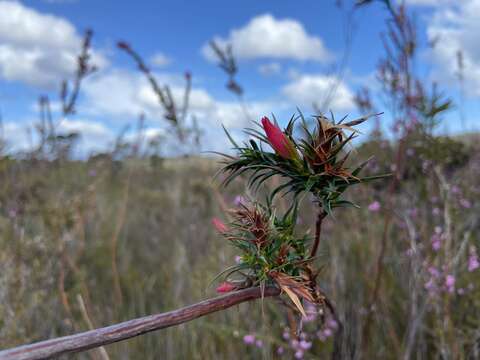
219, 225
226, 287
278, 140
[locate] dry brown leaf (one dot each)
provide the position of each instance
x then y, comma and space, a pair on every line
294, 299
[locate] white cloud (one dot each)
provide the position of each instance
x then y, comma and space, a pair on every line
267, 37
87, 128
452, 29
22, 136
148, 135
36, 48
114, 93
125, 95
199, 99
270, 69
94, 135
160, 60
213, 112
322, 90
122, 95
153, 133
18, 135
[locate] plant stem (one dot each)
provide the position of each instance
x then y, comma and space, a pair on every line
338, 339
318, 229
132, 328
121, 217
379, 269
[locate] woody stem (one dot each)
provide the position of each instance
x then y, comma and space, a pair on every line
132, 328
318, 229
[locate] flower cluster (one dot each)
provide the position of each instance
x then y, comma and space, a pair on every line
251, 339
437, 238
473, 261
445, 274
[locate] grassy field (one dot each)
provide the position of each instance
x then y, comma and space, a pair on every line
103, 240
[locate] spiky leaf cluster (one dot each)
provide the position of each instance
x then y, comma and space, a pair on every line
267, 243
319, 166
272, 254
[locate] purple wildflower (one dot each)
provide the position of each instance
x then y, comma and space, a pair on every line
450, 283
410, 252
305, 345
465, 203
473, 263
436, 242
374, 206
434, 271
455, 189
299, 354
311, 313
430, 285
238, 200
12, 213
413, 212
249, 339
332, 324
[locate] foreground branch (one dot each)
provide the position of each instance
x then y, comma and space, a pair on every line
128, 329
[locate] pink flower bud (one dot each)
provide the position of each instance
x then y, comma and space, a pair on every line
278, 140
219, 225
225, 287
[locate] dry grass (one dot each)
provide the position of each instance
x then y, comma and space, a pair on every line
57, 222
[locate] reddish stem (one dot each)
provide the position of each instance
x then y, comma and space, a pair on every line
318, 229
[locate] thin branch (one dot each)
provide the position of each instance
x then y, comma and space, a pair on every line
121, 217
132, 328
318, 229
84, 69
175, 115
101, 350
379, 268
186, 96
338, 339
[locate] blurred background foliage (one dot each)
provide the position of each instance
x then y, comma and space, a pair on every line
125, 233
64, 225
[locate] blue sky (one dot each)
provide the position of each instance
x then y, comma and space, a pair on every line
287, 51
